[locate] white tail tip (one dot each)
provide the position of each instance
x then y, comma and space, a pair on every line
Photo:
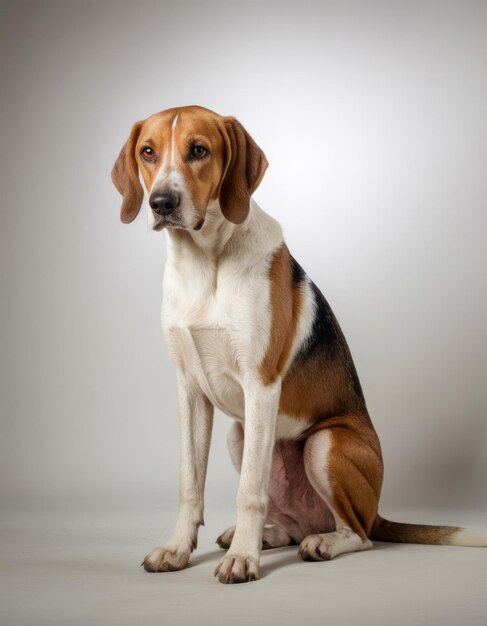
469, 537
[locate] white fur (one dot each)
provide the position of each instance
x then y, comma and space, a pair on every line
167, 158
196, 422
326, 546
213, 333
261, 404
172, 179
305, 322
290, 427
217, 321
469, 537
173, 151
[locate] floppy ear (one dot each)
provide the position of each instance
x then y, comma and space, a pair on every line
245, 167
125, 177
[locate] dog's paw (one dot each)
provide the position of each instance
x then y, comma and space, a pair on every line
275, 537
315, 548
233, 568
272, 537
165, 560
225, 539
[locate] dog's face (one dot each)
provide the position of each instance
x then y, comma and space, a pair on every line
188, 157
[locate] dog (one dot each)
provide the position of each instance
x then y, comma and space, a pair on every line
252, 335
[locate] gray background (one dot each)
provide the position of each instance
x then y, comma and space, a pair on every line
373, 118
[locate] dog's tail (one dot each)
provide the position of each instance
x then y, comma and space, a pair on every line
384, 530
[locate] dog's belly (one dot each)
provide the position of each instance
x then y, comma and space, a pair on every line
293, 503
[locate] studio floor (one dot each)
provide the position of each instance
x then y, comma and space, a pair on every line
80, 569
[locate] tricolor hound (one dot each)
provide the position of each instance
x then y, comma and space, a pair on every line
252, 335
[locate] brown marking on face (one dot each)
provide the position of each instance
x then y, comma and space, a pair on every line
286, 302
194, 126
230, 171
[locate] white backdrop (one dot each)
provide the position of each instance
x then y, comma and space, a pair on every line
372, 116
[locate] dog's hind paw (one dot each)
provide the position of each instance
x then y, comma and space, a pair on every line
225, 539
273, 536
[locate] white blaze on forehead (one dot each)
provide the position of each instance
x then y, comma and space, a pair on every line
170, 178
174, 122
168, 160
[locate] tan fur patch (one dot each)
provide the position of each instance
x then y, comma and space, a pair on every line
355, 472
286, 302
314, 391
323, 385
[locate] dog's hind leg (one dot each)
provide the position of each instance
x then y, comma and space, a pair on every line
344, 466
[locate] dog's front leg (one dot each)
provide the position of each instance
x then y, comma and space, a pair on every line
241, 563
196, 421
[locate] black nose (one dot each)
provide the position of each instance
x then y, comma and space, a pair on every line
164, 202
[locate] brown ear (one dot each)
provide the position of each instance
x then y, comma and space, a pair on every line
125, 177
245, 167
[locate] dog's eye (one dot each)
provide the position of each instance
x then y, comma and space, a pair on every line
198, 152
148, 154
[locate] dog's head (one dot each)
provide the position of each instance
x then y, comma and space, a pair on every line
188, 157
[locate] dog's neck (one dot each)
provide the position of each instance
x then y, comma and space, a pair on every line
250, 242
213, 237
215, 233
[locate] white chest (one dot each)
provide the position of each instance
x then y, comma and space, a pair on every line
216, 314
208, 357
208, 318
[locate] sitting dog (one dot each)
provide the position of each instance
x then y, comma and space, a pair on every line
252, 335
